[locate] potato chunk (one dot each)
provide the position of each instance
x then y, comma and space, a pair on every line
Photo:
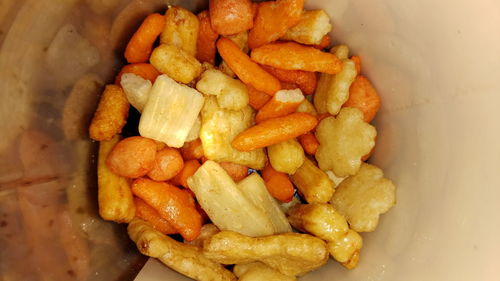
324, 222
343, 141
183, 258
313, 25
231, 93
218, 129
257, 271
176, 63
333, 89
313, 183
181, 29
292, 254
136, 89
287, 156
362, 198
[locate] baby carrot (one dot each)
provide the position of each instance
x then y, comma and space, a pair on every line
168, 163
274, 131
357, 62
309, 143
248, 71
145, 70
363, 96
231, 16
282, 103
256, 98
235, 171
278, 184
290, 55
207, 37
132, 157
192, 150
273, 19
190, 167
140, 46
173, 204
149, 214
288, 86
305, 80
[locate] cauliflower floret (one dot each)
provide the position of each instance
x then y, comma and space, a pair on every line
324, 222
218, 129
343, 141
362, 198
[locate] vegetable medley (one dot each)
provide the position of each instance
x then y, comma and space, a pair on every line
252, 146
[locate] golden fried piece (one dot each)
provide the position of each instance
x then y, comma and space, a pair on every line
307, 107
240, 39
231, 93
362, 198
218, 129
176, 63
313, 25
208, 230
257, 271
183, 258
111, 114
286, 156
181, 29
324, 222
313, 183
292, 254
113, 191
344, 140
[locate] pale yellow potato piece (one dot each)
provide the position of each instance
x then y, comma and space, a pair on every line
336, 180
307, 107
194, 133
181, 29
218, 129
241, 40
287, 156
313, 183
344, 140
312, 27
333, 89
113, 191
257, 271
254, 188
362, 198
170, 112
183, 258
321, 220
176, 63
207, 230
136, 89
292, 254
231, 93
226, 205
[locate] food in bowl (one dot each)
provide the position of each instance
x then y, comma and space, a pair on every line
252, 145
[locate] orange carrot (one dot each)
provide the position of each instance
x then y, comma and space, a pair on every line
190, 167
273, 19
192, 150
149, 214
293, 56
282, 103
309, 143
248, 71
140, 46
145, 70
132, 157
325, 42
357, 62
363, 96
173, 204
306, 80
235, 171
278, 184
256, 98
168, 163
207, 37
231, 16
274, 130
288, 86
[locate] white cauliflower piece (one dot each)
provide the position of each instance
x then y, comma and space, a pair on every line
344, 140
362, 198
